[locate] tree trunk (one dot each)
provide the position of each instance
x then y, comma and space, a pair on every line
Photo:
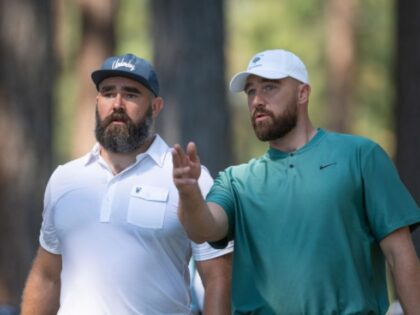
189, 58
340, 54
98, 42
27, 72
408, 96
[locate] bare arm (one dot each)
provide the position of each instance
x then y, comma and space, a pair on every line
216, 276
42, 290
405, 267
203, 222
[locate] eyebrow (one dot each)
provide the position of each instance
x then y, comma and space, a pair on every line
247, 85
263, 80
129, 89
271, 80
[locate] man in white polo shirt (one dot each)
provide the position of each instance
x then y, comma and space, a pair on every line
111, 242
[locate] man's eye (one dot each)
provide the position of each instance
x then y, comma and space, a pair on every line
131, 96
250, 92
268, 87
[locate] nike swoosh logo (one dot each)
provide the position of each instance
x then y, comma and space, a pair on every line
322, 166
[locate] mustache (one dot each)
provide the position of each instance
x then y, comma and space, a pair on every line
260, 111
116, 116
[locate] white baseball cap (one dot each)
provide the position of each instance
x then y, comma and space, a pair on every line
271, 64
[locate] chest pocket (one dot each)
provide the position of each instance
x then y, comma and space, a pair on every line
147, 206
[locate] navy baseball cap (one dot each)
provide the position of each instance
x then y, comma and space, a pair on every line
129, 66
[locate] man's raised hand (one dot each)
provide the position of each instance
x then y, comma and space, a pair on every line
186, 167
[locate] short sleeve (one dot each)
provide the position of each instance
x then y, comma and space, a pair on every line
205, 181
48, 236
222, 194
204, 251
389, 204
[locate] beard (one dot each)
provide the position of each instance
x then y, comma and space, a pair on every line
126, 137
275, 127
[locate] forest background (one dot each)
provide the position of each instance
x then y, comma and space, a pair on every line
363, 59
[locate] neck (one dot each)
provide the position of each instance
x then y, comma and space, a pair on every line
120, 161
296, 138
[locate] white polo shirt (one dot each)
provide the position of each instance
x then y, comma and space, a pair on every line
123, 248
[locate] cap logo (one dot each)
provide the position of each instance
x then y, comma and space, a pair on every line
123, 64
256, 59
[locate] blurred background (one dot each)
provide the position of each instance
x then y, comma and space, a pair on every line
363, 59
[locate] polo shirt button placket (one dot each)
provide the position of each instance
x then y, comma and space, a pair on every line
292, 166
105, 215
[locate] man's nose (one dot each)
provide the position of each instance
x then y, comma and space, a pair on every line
258, 99
118, 101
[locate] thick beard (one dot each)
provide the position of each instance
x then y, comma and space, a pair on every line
123, 138
276, 127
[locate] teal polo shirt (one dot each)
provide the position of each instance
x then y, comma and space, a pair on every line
307, 226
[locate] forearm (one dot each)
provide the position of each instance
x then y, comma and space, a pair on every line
407, 284
217, 298
196, 216
40, 297
42, 291
405, 268
216, 275
201, 221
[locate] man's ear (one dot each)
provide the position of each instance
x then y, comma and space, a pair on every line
303, 93
157, 106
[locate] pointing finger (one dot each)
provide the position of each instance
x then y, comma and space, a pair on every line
178, 156
175, 156
192, 152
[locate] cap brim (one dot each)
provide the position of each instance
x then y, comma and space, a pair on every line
99, 75
237, 84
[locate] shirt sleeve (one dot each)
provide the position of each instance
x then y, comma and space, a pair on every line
48, 237
204, 251
389, 204
222, 194
205, 181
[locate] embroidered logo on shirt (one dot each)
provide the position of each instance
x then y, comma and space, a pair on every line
322, 166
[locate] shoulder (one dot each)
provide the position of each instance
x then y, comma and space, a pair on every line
70, 168
67, 176
350, 141
237, 170
359, 147
356, 148
242, 171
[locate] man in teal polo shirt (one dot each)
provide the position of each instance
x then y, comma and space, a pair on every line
314, 219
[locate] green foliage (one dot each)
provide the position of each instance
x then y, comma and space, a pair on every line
374, 92
68, 36
133, 28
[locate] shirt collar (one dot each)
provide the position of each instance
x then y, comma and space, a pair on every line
92, 156
157, 152
278, 154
